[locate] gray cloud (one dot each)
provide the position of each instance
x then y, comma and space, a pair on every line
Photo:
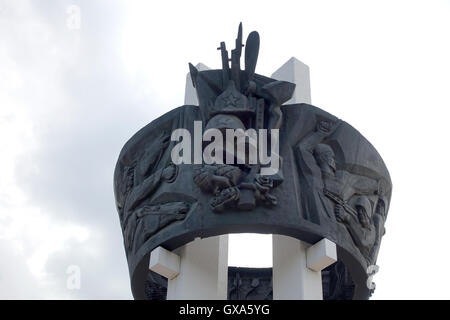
82, 113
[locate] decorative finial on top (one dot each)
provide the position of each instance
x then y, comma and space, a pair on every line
251, 57
215, 91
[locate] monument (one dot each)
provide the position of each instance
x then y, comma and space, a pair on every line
284, 168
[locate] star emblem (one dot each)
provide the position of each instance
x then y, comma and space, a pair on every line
231, 99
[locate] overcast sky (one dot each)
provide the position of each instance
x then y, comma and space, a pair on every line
72, 94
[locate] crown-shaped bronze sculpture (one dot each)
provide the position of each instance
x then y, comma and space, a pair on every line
332, 184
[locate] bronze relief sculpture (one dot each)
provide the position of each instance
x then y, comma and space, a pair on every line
331, 182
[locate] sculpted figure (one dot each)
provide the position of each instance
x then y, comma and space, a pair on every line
227, 197
152, 155
140, 193
341, 183
213, 178
149, 185
152, 218
379, 219
316, 163
318, 167
163, 209
136, 172
361, 227
334, 187
249, 286
220, 180
224, 182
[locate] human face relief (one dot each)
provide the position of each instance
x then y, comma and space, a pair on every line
363, 217
329, 156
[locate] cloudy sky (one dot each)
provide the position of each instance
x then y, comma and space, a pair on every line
78, 78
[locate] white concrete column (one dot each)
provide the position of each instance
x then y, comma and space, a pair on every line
296, 72
190, 95
292, 279
203, 270
297, 266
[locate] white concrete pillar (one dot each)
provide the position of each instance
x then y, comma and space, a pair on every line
292, 279
190, 95
203, 271
296, 72
204, 262
297, 266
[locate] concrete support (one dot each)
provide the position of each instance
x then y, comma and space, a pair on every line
297, 269
296, 72
292, 278
321, 255
165, 263
190, 95
203, 270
